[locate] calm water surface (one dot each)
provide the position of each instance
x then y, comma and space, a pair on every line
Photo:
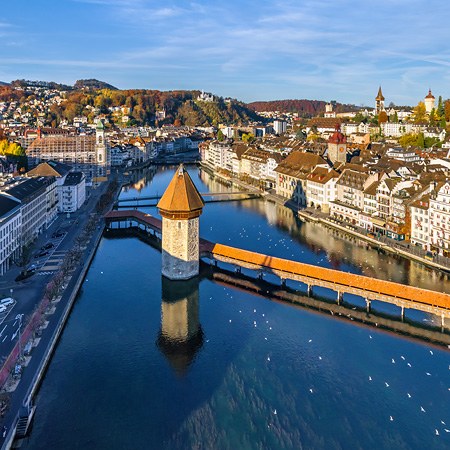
146, 364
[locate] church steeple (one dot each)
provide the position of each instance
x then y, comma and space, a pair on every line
379, 95
379, 102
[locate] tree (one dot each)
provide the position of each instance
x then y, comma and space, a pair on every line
420, 140
11, 148
447, 110
300, 134
410, 139
419, 113
248, 138
440, 109
393, 118
359, 117
382, 117
433, 118
220, 136
432, 142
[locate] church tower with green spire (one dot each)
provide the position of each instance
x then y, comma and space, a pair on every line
101, 151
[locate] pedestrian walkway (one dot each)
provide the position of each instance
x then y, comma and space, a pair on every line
401, 247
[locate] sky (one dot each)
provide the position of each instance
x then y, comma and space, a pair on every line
251, 50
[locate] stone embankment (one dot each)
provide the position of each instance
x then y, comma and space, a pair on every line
397, 248
56, 313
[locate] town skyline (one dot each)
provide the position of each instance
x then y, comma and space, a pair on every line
269, 51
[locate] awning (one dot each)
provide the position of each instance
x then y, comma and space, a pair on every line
379, 222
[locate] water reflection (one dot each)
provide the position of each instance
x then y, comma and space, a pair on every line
181, 335
331, 248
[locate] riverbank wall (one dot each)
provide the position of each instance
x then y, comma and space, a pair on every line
71, 292
306, 215
374, 242
67, 299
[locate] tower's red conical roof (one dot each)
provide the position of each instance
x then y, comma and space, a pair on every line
181, 196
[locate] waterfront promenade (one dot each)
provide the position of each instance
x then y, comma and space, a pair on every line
30, 292
311, 214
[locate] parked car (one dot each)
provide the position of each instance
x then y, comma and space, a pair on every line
41, 254
2, 308
47, 246
25, 274
6, 301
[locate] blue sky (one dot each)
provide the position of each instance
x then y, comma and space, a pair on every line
251, 50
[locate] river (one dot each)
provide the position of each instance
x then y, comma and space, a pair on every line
145, 364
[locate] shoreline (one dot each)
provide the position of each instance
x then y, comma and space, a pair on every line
67, 299
310, 216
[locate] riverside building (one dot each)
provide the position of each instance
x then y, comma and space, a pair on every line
10, 226
89, 154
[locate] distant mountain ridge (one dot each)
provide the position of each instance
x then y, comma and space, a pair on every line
305, 108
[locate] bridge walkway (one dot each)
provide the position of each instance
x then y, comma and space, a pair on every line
401, 295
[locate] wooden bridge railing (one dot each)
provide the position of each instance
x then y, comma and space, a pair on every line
368, 287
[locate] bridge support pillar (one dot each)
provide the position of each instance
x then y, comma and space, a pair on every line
260, 275
237, 269
283, 282
309, 290
340, 297
402, 313
442, 323
367, 305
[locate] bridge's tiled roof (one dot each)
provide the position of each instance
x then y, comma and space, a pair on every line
336, 277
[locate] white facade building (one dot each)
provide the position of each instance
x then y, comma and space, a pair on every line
440, 219
279, 126
33, 196
405, 155
73, 192
420, 222
321, 188
10, 226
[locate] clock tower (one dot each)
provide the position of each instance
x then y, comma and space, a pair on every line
337, 146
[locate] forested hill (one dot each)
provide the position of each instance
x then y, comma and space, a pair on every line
92, 83
144, 107
305, 108
91, 98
